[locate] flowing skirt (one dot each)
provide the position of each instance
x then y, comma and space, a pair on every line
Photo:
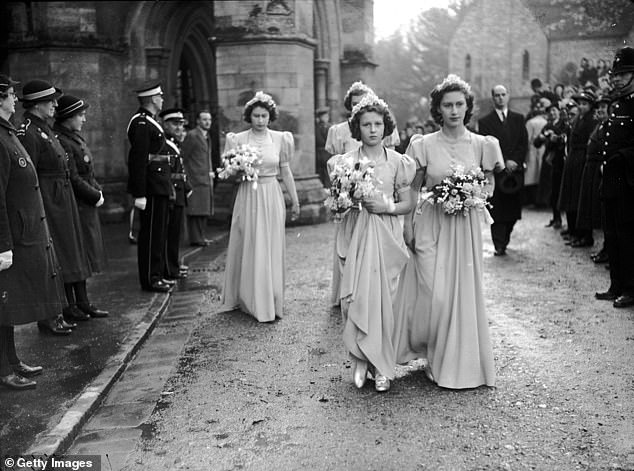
440, 310
373, 254
254, 272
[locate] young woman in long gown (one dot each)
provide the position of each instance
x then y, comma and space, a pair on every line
441, 314
370, 244
255, 267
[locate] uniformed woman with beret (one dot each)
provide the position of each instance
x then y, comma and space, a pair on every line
39, 98
30, 288
69, 120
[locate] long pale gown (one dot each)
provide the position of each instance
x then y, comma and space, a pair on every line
371, 254
440, 303
340, 141
255, 267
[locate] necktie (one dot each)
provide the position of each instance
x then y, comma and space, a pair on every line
503, 117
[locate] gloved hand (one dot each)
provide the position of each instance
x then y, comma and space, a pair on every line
6, 260
140, 203
101, 200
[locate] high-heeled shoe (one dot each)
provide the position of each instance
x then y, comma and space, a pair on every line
52, 326
360, 373
381, 383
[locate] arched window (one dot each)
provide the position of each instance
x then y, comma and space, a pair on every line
467, 68
526, 65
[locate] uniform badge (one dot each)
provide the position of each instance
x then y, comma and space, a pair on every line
86, 159
22, 162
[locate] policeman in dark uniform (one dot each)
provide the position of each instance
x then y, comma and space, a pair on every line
173, 122
617, 187
150, 184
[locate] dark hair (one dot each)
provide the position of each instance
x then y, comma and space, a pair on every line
356, 89
377, 107
268, 106
201, 112
452, 83
536, 83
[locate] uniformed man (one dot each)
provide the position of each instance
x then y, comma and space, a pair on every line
617, 187
150, 184
173, 122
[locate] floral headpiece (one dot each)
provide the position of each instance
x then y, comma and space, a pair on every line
452, 79
368, 100
358, 88
261, 97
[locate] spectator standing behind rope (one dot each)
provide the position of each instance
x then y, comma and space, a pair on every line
69, 120
30, 288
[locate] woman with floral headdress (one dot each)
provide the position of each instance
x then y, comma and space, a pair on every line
440, 298
338, 142
254, 272
370, 245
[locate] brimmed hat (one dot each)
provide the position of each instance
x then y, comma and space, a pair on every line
623, 60
172, 114
587, 95
149, 90
322, 110
511, 182
604, 98
68, 106
6, 83
37, 91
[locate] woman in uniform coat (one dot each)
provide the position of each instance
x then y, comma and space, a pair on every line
39, 98
30, 288
69, 120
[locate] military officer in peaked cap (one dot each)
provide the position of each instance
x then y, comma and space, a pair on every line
39, 98
173, 122
617, 186
69, 121
150, 184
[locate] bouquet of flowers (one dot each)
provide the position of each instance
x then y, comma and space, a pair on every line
242, 162
351, 182
460, 192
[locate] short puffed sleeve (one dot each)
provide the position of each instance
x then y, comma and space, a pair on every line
332, 161
416, 150
491, 154
405, 173
287, 149
333, 140
393, 139
230, 141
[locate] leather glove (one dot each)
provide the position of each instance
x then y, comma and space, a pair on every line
6, 260
140, 203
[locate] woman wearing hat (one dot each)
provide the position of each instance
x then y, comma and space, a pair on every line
69, 120
30, 289
39, 98
573, 168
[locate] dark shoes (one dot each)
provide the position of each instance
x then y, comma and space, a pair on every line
158, 286
606, 295
14, 381
73, 313
26, 371
554, 223
499, 252
583, 242
625, 300
54, 326
601, 257
92, 311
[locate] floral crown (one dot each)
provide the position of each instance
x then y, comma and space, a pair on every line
453, 79
261, 97
367, 101
358, 87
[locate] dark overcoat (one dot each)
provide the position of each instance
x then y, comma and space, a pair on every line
87, 194
31, 289
180, 180
575, 161
53, 171
196, 151
513, 139
589, 209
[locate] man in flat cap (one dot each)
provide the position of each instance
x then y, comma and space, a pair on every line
150, 184
617, 187
173, 121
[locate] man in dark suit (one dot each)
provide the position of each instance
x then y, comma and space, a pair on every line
617, 186
509, 128
150, 184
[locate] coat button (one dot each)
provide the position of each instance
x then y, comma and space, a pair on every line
54, 274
